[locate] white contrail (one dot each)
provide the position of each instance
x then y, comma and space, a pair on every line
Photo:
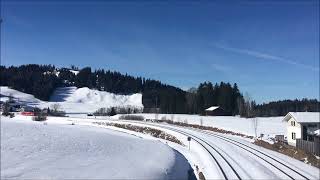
266, 56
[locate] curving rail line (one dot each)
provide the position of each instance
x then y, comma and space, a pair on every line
232, 141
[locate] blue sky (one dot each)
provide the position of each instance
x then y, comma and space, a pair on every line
269, 48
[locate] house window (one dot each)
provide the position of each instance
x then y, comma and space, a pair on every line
293, 123
293, 136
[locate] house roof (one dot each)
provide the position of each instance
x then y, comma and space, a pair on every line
212, 108
303, 117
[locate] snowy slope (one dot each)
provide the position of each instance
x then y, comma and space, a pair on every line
5, 92
77, 100
61, 94
32, 150
86, 95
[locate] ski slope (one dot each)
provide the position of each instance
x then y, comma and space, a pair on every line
33, 150
76, 100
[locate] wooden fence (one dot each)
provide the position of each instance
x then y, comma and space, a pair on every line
308, 146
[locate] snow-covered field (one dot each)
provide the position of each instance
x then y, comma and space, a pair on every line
32, 150
76, 100
270, 126
57, 149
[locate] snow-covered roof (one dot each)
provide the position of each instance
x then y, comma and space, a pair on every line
212, 108
303, 117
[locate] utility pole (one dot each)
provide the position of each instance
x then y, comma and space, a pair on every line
1, 20
189, 139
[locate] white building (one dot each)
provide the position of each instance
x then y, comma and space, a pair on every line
301, 125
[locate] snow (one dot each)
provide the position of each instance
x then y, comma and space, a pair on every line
245, 163
197, 156
19, 96
317, 132
304, 117
77, 100
33, 150
74, 72
268, 126
212, 108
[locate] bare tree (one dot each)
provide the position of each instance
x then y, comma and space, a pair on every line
10, 98
6, 108
255, 126
172, 117
56, 107
246, 106
240, 103
191, 97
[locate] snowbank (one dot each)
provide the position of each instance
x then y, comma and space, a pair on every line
33, 150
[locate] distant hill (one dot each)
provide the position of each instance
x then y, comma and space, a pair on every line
44, 81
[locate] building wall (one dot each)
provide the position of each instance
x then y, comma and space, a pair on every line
293, 129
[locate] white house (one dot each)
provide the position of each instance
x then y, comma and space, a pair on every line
301, 125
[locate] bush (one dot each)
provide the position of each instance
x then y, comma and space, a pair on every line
163, 118
131, 117
6, 109
39, 118
39, 115
11, 115
111, 111
101, 112
57, 113
6, 114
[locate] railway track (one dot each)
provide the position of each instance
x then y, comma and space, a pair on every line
205, 145
213, 148
223, 164
248, 148
257, 153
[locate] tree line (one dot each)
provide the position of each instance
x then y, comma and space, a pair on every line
281, 108
42, 80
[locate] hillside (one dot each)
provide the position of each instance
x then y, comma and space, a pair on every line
42, 80
76, 100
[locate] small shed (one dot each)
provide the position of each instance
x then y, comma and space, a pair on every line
215, 111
